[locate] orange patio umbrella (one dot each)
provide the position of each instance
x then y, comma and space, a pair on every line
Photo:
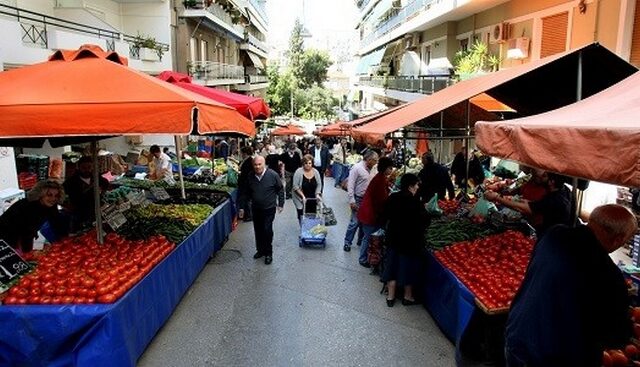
93, 92
288, 130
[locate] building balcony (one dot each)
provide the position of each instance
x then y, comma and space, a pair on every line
255, 45
212, 73
409, 11
215, 14
30, 37
260, 10
252, 83
412, 84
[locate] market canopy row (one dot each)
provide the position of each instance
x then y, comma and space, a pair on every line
597, 138
90, 92
532, 88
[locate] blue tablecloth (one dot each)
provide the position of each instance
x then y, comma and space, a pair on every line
115, 334
449, 302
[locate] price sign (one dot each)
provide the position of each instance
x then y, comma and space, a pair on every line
114, 217
12, 266
138, 199
159, 193
123, 207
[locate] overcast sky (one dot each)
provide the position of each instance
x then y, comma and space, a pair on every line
325, 19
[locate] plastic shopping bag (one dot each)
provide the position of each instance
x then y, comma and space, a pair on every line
432, 206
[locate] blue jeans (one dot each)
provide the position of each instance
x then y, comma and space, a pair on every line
354, 226
336, 172
367, 230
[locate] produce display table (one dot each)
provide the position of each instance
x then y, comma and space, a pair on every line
111, 334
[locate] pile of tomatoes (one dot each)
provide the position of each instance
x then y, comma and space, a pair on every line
491, 267
80, 271
631, 353
449, 206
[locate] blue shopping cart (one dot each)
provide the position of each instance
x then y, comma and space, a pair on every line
313, 232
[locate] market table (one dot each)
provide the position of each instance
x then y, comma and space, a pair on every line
111, 334
478, 337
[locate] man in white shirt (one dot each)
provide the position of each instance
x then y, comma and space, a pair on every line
320, 154
162, 164
357, 183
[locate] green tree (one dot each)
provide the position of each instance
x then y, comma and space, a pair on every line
314, 66
296, 49
316, 103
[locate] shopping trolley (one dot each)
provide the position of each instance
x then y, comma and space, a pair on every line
313, 232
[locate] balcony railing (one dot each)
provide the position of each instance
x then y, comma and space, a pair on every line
210, 70
35, 27
256, 79
256, 42
363, 4
260, 10
217, 11
423, 84
409, 11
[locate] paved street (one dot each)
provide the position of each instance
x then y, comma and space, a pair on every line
311, 307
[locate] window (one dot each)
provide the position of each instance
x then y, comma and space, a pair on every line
193, 52
554, 34
464, 44
204, 50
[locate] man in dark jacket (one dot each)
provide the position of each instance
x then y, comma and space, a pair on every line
79, 190
434, 179
573, 303
264, 189
292, 161
246, 167
321, 158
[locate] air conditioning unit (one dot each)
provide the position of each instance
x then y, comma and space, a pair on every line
499, 33
412, 40
518, 48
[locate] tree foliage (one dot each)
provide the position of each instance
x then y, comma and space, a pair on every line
304, 78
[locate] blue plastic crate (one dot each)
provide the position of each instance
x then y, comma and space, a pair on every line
139, 169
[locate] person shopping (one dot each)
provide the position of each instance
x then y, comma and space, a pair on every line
306, 185
406, 220
370, 211
19, 225
292, 161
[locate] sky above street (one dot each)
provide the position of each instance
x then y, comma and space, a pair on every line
327, 20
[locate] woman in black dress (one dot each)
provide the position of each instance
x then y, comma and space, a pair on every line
306, 185
406, 221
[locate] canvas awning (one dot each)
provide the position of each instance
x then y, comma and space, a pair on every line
90, 92
255, 60
287, 130
597, 138
250, 107
368, 60
532, 88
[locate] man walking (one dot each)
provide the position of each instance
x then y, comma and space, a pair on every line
357, 183
264, 189
292, 161
320, 154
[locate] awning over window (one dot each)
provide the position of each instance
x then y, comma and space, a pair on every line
382, 7
368, 60
255, 59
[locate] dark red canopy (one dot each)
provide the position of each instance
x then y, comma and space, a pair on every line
251, 107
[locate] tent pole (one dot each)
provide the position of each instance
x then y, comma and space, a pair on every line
96, 192
575, 204
466, 175
178, 142
441, 136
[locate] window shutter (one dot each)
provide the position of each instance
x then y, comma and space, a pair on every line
554, 34
635, 40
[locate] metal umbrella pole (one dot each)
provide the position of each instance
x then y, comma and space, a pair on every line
574, 182
178, 143
96, 192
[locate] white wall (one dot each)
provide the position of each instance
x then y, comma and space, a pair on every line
8, 175
48, 150
120, 146
160, 140
117, 145
38, 6
148, 19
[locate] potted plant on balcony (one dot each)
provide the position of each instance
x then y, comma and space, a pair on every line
475, 61
149, 48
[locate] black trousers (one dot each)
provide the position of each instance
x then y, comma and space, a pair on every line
321, 171
263, 229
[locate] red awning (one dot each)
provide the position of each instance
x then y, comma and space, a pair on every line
597, 138
532, 88
92, 92
250, 107
288, 130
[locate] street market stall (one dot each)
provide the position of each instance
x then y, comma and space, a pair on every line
288, 130
138, 282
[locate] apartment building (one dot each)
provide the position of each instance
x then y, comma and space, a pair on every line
138, 30
222, 44
407, 47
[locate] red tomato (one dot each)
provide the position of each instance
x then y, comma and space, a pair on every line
107, 298
11, 300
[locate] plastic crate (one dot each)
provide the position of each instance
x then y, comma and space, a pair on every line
27, 180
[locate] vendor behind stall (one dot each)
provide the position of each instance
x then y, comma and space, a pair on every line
19, 225
162, 164
555, 207
79, 190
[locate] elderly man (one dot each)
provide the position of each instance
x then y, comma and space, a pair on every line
357, 184
573, 303
264, 189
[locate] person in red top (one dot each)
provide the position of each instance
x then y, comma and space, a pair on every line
370, 211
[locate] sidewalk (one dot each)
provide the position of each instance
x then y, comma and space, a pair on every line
311, 307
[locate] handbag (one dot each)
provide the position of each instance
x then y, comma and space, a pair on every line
329, 216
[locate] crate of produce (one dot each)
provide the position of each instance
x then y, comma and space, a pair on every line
27, 180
